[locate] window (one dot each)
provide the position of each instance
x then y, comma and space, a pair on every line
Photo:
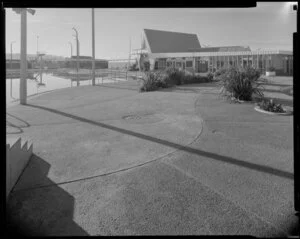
189, 64
178, 64
161, 63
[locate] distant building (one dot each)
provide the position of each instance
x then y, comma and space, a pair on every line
16, 64
85, 62
161, 49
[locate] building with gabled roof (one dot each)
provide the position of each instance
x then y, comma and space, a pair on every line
162, 49
167, 42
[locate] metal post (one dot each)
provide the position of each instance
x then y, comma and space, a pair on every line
129, 54
77, 42
23, 79
11, 69
37, 44
77, 49
71, 50
93, 47
41, 68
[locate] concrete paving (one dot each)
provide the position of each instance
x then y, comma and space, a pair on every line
111, 161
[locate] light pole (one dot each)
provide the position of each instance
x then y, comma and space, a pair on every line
11, 68
71, 49
24, 74
77, 49
37, 45
296, 125
129, 57
93, 46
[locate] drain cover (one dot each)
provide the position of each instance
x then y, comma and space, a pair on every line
142, 118
132, 117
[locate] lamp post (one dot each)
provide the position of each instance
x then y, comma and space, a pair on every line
11, 68
77, 49
93, 46
71, 49
24, 74
37, 45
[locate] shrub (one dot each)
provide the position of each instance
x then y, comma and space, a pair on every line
271, 68
146, 65
152, 81
162, 82
241, 83
189, 79
269, 105
219, 73
210, 76
174, 76
134, 67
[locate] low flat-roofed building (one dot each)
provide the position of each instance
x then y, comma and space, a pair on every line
15, 64
164, 49
85, 62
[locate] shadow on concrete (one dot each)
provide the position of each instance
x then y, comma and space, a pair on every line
221, 158
118, 86
294, 228
41, 211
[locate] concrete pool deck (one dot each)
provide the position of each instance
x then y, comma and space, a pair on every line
109, 160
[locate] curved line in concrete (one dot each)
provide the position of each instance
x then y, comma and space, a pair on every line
14, 126
132, 167
13, 116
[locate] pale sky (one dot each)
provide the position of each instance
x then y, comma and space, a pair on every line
268, 26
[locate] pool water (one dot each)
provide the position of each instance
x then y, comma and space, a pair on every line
50, 83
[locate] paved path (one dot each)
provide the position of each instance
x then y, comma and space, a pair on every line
111, 161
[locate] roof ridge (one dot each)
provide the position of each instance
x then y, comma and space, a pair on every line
170, 31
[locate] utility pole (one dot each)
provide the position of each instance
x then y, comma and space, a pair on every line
77, 46
23, 80
93, 46
11, 68
24, 74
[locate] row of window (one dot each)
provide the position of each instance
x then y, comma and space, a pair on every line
162, 63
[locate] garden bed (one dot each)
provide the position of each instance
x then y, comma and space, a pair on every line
287, 112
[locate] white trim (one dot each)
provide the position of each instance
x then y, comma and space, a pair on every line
207, 54
287, 112
147, 43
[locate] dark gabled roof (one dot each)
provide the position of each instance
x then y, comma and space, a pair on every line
225, 49
171, 42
